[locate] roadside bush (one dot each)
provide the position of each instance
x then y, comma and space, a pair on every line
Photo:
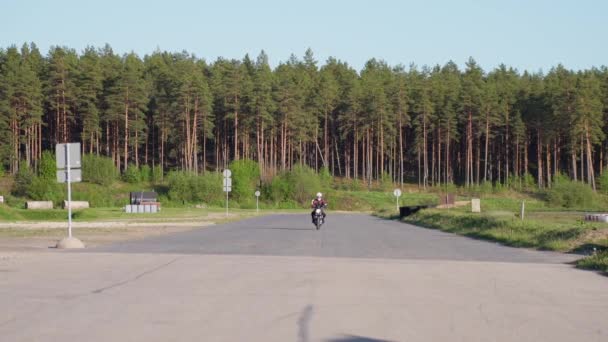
47, 168
305, 184
145, 173
98, 169
23, 179
569, 194
41, 189
326, 178
279, 189
192, 188
245, 179
44, 186
602, 182
131, 174
157, 174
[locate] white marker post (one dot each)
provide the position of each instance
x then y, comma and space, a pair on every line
68, 156
257, 201
397, 194
227, 185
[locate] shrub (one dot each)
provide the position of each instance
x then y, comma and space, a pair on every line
602, 182
44, 186
157, 174
47, 168
245, 179
326, 178
131, 174
192, 188
43, 189
305, 183
279, 189
569, 194
98, 169
145, 173
23, 179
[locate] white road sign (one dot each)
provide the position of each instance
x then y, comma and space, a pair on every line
75, 176
257, 194
397, 193
227, 173
61, 156
228, 182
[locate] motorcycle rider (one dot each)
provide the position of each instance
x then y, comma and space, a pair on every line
318, 202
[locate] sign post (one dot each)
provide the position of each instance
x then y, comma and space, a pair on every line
227, 185
68, 165
397, 194
257, 201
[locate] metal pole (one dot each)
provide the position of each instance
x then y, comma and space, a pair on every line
67, 153
226, 189
257, 204
523, 210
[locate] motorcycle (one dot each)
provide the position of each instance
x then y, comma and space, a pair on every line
318, 216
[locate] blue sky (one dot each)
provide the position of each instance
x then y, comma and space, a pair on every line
528, 35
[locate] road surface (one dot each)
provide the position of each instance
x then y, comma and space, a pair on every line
274, 278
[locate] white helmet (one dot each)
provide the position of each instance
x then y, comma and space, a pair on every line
319, 195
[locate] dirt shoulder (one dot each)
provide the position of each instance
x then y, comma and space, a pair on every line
16, 237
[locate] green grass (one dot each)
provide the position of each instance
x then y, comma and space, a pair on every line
543, 227
597, 262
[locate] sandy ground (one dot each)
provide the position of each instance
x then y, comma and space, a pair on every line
43, 236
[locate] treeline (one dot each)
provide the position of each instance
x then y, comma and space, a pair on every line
433, 125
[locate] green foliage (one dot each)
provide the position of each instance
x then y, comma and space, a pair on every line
98, 169
145, 173
187, 187
300, 186
157, 174
305, 184
245, 179
570, 194
326, 178
23, 179
131, 174
536, 233
44, 186
597, 262
41, 189
47, 169
603, 182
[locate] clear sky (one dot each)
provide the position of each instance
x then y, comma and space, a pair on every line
528, 35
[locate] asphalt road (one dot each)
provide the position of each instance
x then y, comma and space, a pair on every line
344, 236
274, 278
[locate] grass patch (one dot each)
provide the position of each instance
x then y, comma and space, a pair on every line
597, 262
499, 222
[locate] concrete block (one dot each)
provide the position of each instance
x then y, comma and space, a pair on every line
475, 205
39, 205
77, 205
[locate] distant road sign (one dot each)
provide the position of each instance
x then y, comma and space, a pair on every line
397, 192
228, 182
227, 189
61, 156
75, 176
227, 173
257, 194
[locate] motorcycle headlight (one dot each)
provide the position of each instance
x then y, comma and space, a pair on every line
318, 211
